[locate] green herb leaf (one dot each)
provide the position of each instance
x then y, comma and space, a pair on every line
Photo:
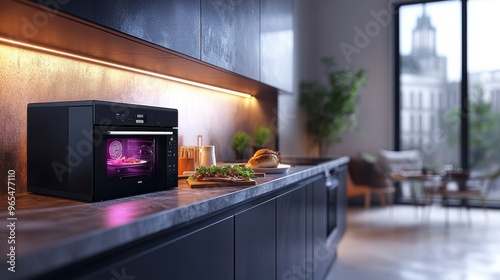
230, 171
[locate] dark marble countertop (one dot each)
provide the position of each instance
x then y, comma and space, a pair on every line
51, 232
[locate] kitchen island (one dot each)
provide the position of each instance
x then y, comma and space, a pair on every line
283, 227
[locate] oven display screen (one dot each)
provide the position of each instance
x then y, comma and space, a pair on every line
130, 157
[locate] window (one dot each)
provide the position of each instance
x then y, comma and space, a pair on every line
446, 57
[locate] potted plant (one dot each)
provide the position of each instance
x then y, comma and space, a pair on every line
331, 109
240, 145
261, 137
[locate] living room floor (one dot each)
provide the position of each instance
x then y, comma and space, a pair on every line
413, 243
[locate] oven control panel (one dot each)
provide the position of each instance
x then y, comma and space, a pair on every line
172, 158
107, 113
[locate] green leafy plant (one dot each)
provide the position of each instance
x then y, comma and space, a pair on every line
240, 144
484, 134
261, 136
331, 109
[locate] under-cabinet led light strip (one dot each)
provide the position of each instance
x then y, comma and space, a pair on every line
123, 67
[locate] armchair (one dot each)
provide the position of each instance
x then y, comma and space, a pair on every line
393, 161
365, 178
418, 185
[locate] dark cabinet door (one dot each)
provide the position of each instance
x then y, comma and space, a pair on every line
291, 235
255, 242
277, 36
206, 253
230, 35
174, 24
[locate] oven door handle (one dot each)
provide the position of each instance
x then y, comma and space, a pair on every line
120, 132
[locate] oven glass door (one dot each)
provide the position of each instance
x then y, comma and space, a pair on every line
130, 160
332, 204
128, 157
332, 200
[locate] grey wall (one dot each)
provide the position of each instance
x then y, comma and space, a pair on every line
322, 26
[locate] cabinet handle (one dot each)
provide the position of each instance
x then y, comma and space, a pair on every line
331, 181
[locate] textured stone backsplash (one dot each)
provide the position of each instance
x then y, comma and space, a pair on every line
28, 76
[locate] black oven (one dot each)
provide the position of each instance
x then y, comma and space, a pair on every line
336, 196
332, 200
97, 150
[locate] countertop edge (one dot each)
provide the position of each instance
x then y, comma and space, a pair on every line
99, 241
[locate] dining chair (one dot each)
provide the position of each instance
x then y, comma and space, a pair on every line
476, 188
432, 191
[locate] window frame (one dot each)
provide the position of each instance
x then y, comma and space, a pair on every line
464, 83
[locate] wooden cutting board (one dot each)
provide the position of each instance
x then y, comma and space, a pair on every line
205, 184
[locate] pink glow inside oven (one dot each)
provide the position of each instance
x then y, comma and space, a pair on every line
130, 157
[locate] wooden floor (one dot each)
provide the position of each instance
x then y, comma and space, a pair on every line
401, 242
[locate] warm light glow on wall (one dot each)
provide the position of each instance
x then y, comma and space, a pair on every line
123, 67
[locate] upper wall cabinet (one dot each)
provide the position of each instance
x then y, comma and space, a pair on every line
241, 45
174, 24
276, 39
230, 32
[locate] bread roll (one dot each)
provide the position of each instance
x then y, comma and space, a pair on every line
264, 151
264, 158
